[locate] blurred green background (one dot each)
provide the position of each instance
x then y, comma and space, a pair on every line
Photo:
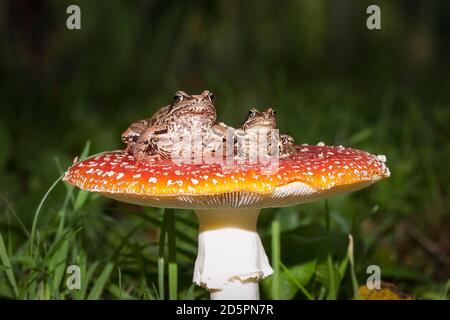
329, 78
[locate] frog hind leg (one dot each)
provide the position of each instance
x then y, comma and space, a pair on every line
144, 149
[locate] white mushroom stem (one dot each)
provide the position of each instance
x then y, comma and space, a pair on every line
231, 259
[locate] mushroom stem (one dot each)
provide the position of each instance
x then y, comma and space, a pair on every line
231, 258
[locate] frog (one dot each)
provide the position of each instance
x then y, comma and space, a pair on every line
286, 146
249, 139
133, 132
186, 116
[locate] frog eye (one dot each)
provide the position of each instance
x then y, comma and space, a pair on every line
251, 112
272, 112
178, 97
211, 97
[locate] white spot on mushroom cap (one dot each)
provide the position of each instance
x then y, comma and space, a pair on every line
381, 157
119, 175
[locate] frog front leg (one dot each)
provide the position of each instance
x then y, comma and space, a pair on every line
144, 148
222, 140
133, 132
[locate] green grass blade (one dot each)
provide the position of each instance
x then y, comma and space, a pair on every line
307, 294
36, 215
352, 268
150, 295
161, 264
97, 289
119, 275
445, 290
80, 200
119, 293
58, 264
118, 250
332, 291
187, 222
173, 280
161, 277
157, 223
332, 281
84, 154
342, 269
276, 257
4, 268
62, 215
58, 256
173, 268
189, 294
70, 188
86, 276
7, 264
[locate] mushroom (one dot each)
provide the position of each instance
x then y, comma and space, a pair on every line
227, 200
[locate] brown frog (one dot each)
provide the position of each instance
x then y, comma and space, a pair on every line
286, 146
189, 116
134, 131
257, 136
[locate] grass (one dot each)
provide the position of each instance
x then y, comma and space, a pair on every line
276, 257
169, 221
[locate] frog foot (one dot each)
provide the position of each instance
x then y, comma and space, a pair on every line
142, 157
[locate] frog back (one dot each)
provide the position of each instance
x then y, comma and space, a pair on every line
158, 118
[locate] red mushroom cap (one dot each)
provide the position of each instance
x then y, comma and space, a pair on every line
313, 172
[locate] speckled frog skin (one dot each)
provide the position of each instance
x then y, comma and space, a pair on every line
257, 125
187, 116
134, 131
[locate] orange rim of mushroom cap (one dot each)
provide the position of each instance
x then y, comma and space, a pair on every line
317, 167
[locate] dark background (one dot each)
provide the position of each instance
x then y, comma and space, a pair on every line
329, 78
